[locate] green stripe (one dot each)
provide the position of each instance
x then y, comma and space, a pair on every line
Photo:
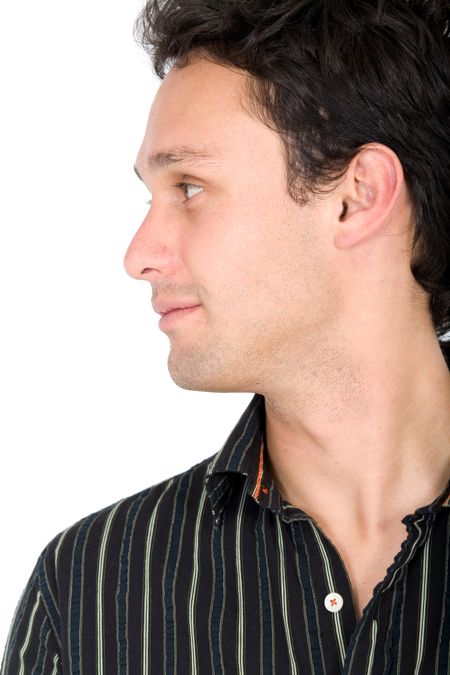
284, 602
423, 607
147, 582
55, 664
241, 601
194, 587
337, 618
100, 586
28, 635
373, 641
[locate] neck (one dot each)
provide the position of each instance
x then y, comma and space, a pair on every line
362, 433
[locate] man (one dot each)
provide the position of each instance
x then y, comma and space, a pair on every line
297, 247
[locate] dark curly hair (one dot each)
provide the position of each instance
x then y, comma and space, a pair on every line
331, 76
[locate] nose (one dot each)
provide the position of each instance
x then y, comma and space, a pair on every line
150, 255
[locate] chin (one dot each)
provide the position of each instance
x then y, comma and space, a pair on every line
199, 377
195, 383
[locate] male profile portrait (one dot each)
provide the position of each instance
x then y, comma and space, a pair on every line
297, 247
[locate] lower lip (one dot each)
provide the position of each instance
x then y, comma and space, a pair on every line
170, 318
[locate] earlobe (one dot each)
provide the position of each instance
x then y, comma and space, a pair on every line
367, 194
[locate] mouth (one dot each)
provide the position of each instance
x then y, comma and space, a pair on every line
170, 317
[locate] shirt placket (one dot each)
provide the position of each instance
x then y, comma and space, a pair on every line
373, 647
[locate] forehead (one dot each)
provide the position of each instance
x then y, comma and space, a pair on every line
201, 106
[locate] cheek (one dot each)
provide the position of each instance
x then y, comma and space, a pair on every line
231, 275
222, 245
250, 262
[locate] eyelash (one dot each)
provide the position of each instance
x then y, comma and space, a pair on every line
180, 186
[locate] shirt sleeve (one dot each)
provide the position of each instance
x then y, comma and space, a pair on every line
32, 647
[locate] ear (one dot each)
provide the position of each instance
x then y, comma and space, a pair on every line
367, 194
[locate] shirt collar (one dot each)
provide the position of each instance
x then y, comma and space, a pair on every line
243, 460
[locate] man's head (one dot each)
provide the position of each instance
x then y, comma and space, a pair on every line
326, 130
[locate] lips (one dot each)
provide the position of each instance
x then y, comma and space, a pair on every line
172, 317
176, 309
170, 305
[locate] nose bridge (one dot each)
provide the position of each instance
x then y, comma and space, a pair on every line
152, 249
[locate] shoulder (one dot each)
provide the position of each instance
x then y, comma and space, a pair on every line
95, 545
97, 568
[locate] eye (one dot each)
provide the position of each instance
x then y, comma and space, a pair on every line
189, 190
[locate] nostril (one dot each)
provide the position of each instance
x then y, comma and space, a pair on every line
146, 270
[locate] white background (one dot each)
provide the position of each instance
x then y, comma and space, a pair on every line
89, 413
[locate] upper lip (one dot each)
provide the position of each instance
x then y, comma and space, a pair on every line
164, 306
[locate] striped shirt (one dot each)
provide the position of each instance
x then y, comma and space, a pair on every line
212, 572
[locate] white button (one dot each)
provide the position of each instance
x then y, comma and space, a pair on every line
334, 602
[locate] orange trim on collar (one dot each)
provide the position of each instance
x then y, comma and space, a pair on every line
257, 490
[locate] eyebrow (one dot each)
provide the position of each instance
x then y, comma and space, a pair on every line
190, 156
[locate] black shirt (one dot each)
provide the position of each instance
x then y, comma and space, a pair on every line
211, 572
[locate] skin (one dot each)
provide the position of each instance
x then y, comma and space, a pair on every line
314, 306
